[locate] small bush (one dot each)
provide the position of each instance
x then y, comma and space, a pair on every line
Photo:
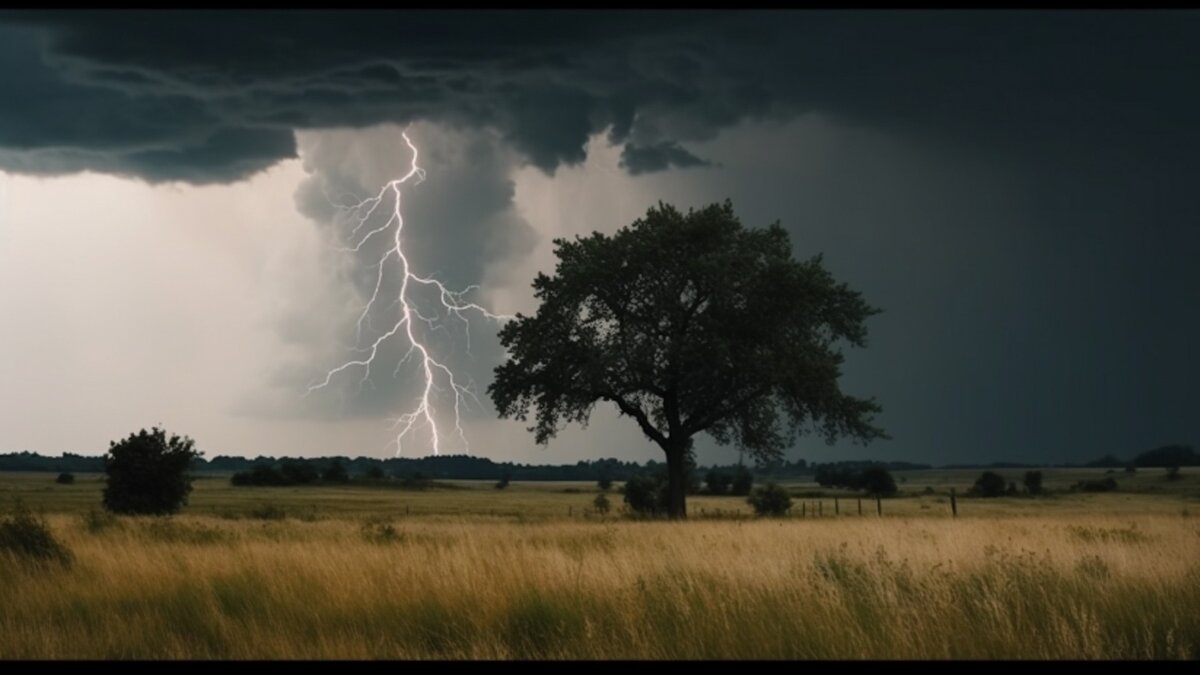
990, 484
742, 482
148, 473
65, 479
601, 504
646, 495
1173, 473
503, 482
604, 483
877, 481
28, 536
1033, 482
771, 500
717, 483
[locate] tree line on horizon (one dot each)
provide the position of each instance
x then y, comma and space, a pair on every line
468, 467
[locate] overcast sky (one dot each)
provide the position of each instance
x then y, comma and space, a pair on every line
1015, 190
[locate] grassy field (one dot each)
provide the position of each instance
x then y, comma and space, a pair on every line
475, 572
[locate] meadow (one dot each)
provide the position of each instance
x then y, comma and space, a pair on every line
471, 572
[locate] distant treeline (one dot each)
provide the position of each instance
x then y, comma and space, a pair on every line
1165, 456
466, 467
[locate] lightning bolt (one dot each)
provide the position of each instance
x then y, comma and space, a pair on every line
453, 303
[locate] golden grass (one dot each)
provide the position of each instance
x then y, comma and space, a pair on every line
455, 586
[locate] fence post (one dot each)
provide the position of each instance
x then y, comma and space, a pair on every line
406, 509
836, 510
879, 505
860, 506
820, 508
803, 509
953, 504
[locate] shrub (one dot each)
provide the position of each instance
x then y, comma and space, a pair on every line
65, 479
990, 484
503, 482
646, 494
601, 504
28, 536
877, 481
147, 473
771, 500
717, 483
742, 482
1033, 482
605, 482
1173, 473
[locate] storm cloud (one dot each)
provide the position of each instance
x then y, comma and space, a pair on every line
1015, 189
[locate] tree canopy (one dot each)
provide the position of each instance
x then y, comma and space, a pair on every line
688, 323
147, 473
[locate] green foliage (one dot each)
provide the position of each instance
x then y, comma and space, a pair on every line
742, 481
688, 323
29, 537
375, 473
646, 495
147, 473
1033, 482
503, 482
717, 483
336, 473
877, 481
601, 504
770, 500
605, 482
990, 484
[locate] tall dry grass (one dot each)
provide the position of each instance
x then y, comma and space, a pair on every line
203, 587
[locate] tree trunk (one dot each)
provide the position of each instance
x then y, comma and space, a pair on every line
677, 481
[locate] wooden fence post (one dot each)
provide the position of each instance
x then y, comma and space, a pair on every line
836, 510
803, 509
879, 505
953, 504
860, 506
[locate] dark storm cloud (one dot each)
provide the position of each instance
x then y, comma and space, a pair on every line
1052, 85
638, 159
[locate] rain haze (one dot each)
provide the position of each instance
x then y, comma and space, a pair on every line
1015, 190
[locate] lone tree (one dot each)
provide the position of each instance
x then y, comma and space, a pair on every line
147, 473
688, 323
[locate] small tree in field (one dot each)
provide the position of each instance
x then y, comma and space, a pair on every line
602, 504
770, 500
147, 473
990, 484
877, 481
688, 324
